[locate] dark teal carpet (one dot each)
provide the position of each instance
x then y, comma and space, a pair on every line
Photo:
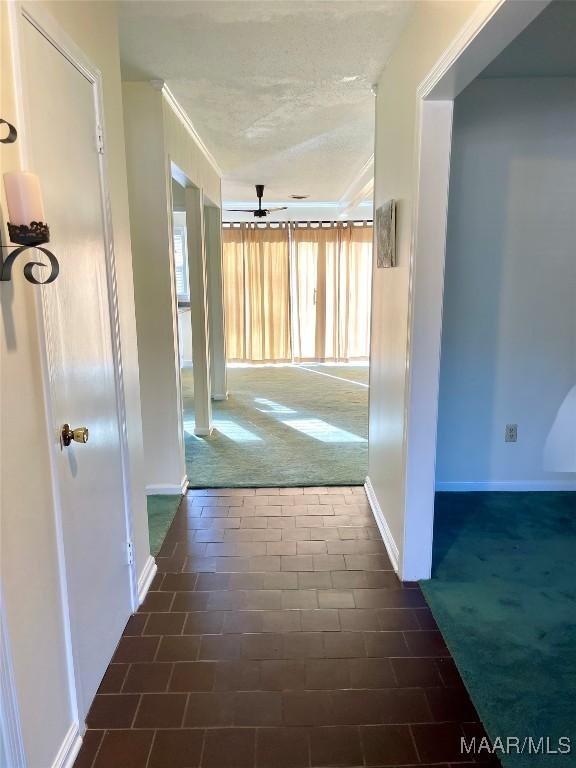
504, 595
161, 512
282, 426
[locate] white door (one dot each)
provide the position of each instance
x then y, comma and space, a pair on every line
62, 140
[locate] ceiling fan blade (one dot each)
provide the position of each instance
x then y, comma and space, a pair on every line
272, 210
239, 210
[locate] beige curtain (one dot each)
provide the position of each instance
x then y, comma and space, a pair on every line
257, 293
331, 286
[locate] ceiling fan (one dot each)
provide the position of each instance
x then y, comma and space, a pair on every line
259, 212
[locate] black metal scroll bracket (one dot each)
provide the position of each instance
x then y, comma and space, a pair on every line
6, 269
12, 133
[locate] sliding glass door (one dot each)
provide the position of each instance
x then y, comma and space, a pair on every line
299, 294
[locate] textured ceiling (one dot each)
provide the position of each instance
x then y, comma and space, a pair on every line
278, 91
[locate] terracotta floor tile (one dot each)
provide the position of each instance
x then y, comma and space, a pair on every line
388, 745
112, 710
229, 748
164, 624
282, 748
160, 710
416, 672
327, 674
439, 742
214, 647
336, 746
282, 675
178, 648
344, 645
126, 748
277, 635
426, 643
320, 620
135, 625
176, 749
258, 708
237, 676
209, 709
299, 598
334, 598
132, 649
320, 580
179, 582
307, 708
147, 677
90, 745
358, 619
113, 679
204, 623
193, 676
371, 673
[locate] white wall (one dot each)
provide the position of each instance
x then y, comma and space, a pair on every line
431, 29
155, 132
509, 322
29, 564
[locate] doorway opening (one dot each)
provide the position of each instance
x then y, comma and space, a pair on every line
297, 312
504, 530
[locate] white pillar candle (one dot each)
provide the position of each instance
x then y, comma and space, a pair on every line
24, 198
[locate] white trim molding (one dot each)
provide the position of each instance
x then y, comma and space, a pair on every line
204, 431
145, 578
360, 188
168, 489
69, 748
513, 485
383, 527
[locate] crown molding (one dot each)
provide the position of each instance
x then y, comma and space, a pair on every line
360, 186
181, 114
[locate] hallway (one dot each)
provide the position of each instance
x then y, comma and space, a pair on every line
276, 635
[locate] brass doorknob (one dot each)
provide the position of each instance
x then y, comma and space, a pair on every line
79, 435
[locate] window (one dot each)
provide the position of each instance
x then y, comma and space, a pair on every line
181, 258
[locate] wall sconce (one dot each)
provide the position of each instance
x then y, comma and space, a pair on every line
26, 226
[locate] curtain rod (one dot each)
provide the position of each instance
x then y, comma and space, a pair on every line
362, 222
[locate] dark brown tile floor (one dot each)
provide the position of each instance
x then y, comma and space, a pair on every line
276, 635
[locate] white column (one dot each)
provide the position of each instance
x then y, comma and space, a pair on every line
199, 309
216, 319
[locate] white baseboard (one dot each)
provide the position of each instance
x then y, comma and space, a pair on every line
385, 532
220, 397
145, 578
540, 485
69, 748
201, 432
168, 490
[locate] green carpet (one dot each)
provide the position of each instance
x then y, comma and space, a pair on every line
503, 592
161, 511
282, 426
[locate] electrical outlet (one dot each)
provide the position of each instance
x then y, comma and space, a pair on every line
511, 433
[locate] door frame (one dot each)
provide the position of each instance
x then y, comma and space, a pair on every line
20, 13
488, 32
